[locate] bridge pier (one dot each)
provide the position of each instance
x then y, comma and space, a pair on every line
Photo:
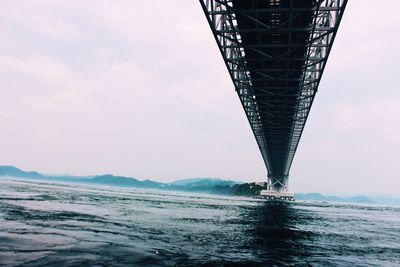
276, 52
277, 183
277, 189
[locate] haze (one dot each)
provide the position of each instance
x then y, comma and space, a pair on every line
139, 88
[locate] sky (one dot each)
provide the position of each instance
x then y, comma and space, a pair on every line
139, 88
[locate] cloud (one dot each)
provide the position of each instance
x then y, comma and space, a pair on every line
350, 145
40, 19
134, 89
34, 66
54, 27
363, 48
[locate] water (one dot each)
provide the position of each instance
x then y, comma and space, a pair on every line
43, 224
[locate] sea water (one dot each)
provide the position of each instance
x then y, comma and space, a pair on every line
48, 224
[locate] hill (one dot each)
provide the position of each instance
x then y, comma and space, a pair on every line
11, 171
201, 185
203, 182
320, 197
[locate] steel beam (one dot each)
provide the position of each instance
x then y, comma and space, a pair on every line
275, 52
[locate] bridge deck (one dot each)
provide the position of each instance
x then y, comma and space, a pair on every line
275, 51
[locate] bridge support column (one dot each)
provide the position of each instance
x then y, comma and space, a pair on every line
277, 183
277, 189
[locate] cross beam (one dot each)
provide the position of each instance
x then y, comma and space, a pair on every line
276, 52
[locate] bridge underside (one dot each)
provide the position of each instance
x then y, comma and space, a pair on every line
275, 51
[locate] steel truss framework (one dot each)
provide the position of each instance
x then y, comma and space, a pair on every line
276, 52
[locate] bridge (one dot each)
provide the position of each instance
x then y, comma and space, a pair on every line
276, 52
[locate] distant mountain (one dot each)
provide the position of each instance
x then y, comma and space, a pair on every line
319, 197
115, 180
69, 177
11, 171
386, 200
203, 182
203, 185
123, 181
247, 189
107, 179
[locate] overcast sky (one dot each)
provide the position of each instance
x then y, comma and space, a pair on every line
138, 88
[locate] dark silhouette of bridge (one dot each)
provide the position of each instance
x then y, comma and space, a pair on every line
276, 52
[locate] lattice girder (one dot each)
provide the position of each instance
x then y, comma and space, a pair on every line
276, 52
